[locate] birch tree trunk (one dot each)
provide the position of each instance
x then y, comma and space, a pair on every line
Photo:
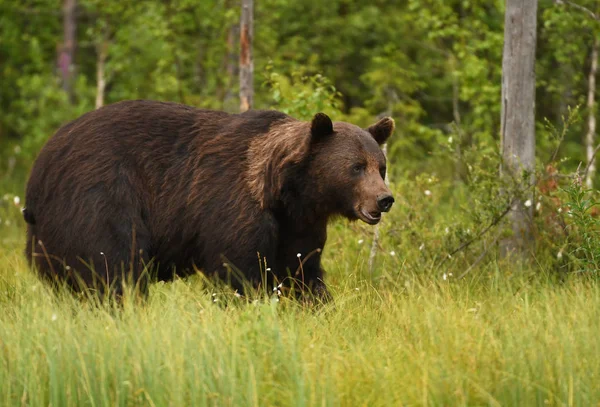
590, 138
67, 54
246, 62
518, 115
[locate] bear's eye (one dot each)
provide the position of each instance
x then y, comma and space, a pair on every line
357, 169
382, 172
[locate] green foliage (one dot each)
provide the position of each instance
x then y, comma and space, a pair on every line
583, 229
426, 63
302, 96
42, 97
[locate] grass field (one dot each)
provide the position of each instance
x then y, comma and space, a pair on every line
407, 336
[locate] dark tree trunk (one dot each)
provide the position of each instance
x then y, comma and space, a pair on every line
590, 138
246, 62
231, 64
67, 53
518, 115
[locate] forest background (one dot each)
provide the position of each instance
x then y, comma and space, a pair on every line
431, 303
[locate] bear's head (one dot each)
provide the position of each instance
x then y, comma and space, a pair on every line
349, 167
319, 168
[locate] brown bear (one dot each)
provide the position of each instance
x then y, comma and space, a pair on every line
245, 197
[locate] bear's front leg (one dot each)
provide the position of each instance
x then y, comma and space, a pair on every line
299, 265
309, 285
319, 291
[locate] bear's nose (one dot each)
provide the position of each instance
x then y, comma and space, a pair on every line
384, 202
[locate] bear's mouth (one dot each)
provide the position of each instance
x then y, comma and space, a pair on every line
372, 218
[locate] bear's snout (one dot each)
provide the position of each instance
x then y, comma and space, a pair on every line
385, 202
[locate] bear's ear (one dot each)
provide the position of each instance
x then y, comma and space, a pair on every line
321, 126
382, 130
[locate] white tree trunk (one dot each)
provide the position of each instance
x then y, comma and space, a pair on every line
246, 62
590, 138
518, 114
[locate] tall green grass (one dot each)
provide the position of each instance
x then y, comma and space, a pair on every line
411, 333
487, 341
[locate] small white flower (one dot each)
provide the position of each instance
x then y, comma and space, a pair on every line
559, 210
447, 230
427, 192
17, 200
299, 255
527, 203
559, 255
445, 276
450, 139
422, 246
449, 274
472, 310
268, 268
237, 294
214, 294
392, 253
357, 289
449, 256
538, 206
54, 317
280, 285
215, 300
101, 253
360, 241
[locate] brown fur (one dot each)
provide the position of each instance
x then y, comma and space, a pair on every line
142, 181
266, 172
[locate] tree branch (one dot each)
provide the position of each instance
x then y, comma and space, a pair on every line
579, 7
590, 161
479, 235
493, 223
